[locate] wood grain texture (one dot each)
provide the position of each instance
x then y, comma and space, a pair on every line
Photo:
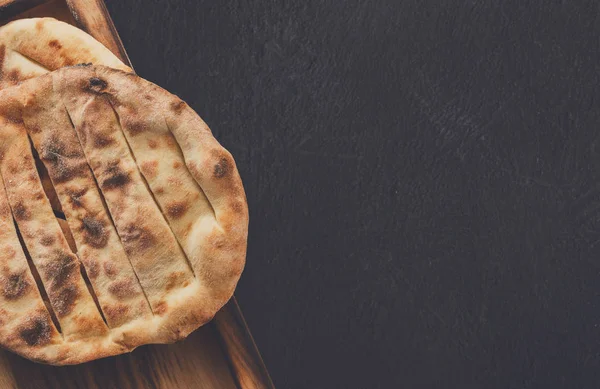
7, 379
92, 16
57, 9
245, 360
197, 362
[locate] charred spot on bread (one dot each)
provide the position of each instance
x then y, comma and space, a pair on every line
92, 268
135, 127
21, 212
237, 206
110, 269
96, 85
55, 44
75, 196
116, 177
221, 168
63, 301
12, 166
47, 240
60, 268
52, 150
123, 288
94, 232
13, 114
177, 209
137, 237
15, 285
101, 141
62, 165
36, 331
116, 311
14, 76
177, 106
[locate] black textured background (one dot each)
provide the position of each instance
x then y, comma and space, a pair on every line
423, 180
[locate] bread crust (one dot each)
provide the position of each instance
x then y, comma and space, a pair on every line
35, 46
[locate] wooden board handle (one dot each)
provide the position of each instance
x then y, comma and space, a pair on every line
92, 16
246, 362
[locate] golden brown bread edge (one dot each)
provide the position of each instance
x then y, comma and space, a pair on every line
31, 47
222, 252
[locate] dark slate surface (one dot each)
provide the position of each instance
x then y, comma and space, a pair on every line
423, 180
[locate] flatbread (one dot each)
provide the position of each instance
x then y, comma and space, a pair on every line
155, 204
32, 47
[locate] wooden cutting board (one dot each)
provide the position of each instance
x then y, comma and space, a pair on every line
221, 354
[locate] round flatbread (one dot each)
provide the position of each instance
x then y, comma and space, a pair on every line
32, 47
155, 205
